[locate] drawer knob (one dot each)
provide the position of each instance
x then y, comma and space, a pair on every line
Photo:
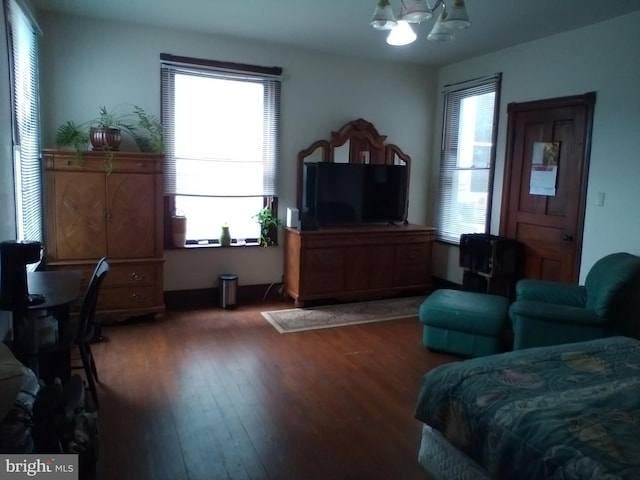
137, 276
136, 297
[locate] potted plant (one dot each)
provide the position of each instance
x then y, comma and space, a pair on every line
152, 140
70, 134
268, 226
105, 133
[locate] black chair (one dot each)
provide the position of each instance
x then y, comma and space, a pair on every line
77, 332
86, 326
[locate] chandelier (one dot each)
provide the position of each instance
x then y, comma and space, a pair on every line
417, 11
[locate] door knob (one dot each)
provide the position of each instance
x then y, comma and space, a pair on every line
566, 238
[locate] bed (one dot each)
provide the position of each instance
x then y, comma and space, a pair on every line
565, 412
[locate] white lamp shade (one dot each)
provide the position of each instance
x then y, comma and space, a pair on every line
401, 34
415, 11
383, 18
440, 33
457, 17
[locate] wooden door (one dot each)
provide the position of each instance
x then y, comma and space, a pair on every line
131, 215
80, 216
548, 226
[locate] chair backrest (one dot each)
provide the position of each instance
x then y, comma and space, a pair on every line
88, 309
611, 281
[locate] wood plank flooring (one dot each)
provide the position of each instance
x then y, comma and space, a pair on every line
217, 394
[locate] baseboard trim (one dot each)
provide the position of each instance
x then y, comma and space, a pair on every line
180, 300
444, 283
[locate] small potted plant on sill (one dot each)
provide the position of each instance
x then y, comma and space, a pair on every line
225, 235
269, 224
179, 229
105, 133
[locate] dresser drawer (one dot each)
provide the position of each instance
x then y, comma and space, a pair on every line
126, 298
131, 274
95, 161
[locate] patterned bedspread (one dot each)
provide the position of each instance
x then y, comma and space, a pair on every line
563, 412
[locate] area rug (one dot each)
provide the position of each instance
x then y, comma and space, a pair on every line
328, 316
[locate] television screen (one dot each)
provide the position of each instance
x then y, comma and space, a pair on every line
339, 193
355, 193
385, 193
308, 209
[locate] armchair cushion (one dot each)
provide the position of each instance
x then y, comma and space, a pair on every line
551, 292
555, 313
608, 279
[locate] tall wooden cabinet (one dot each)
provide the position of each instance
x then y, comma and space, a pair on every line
357, 263
91, 214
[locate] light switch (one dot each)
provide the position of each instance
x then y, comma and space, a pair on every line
600, 199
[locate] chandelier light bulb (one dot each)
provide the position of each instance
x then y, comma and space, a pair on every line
401, 34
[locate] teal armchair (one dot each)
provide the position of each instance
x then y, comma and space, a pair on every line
551, 313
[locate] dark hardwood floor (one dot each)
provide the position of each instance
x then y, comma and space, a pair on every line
217, 394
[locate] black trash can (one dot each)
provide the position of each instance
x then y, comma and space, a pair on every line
227, 288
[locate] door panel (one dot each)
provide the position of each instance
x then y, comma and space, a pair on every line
80, 223
131, 218
549, 227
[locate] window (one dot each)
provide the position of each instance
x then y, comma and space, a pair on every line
23, 57
467, 158
222, 125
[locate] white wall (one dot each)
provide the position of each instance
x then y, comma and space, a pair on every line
604, 58
88, 63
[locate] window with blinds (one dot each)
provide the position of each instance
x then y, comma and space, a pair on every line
467, 158
222, 128
23, 56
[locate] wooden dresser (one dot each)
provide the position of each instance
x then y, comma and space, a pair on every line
90, 214
357, 263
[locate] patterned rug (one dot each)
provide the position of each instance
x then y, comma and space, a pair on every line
328, 316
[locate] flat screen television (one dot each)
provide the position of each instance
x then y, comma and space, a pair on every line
354, 193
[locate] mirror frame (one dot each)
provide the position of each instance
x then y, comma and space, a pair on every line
362, 137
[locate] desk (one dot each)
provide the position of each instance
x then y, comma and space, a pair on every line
60, 289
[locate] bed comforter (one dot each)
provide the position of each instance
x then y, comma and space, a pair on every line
563, 412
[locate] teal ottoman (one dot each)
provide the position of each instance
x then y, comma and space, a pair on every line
465, 323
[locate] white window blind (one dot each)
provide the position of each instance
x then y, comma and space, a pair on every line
222, 128
467, 158
23, 40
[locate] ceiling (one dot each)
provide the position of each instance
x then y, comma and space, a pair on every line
342, 26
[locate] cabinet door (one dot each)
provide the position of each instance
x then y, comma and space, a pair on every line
79, 216
413, 264
381, 265
131, 219
324, 269
369, 267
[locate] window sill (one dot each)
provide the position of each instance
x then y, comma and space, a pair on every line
196, 246
448, 243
